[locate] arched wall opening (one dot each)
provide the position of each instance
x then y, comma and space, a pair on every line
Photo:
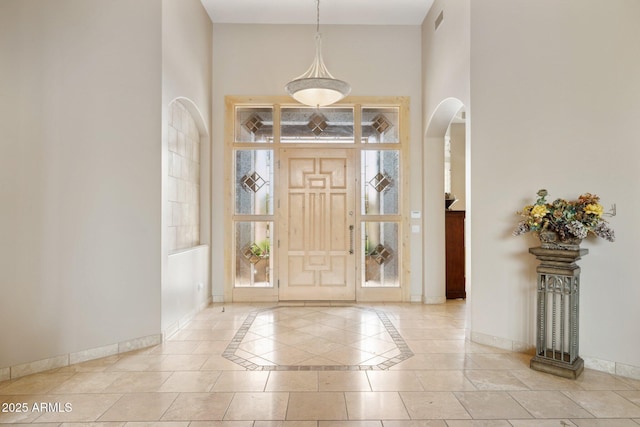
434, 291
186, 215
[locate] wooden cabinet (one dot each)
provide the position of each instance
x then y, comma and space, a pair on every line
454, 243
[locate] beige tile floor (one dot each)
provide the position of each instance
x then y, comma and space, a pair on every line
389, 365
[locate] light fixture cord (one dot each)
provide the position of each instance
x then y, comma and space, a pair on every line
318, 41
317, 16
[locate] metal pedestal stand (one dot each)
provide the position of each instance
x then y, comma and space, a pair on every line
558, 312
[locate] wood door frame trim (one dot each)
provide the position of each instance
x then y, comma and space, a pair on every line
399, 294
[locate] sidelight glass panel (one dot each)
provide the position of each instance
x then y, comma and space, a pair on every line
380, 125
253, 260
316, 125
380, 255
254, 182
254, 124
380, 182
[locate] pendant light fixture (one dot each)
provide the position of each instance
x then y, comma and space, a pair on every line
317, 87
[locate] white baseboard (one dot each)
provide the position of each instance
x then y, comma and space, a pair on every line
5, 374
205, 304
435, 300
94, 353
502, 343
491, 341
25, 369
175, 327
613, 368
63, 360
138, 343
628, 371
170, 331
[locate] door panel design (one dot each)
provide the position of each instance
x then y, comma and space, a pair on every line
316, 257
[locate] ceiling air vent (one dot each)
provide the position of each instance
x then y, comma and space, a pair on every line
439, 19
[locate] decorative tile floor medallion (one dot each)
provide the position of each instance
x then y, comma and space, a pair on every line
317, 338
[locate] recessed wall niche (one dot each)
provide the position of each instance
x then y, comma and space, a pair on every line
183, 181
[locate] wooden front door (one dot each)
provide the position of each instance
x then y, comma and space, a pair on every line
316, 244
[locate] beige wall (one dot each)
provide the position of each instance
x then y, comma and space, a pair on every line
261, 59
80, 120
458, 157
555, 89
186, 85
83, 106
551, 96
445, 89
445, 55
187, 77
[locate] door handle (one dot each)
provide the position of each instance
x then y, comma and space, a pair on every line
351, 239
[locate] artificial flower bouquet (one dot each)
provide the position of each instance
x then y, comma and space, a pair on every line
569, 219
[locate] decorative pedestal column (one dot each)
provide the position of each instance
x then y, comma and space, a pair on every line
558, 312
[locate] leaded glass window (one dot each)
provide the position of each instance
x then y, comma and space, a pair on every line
380, 255
312, 125
380, 125
254, 124
380, 182
254, 182
253, 259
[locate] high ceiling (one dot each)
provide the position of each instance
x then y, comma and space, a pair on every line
349, 12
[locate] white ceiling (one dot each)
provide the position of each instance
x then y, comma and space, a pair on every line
349, 12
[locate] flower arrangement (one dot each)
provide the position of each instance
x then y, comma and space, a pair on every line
568, 219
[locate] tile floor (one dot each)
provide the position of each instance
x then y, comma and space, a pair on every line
388, 365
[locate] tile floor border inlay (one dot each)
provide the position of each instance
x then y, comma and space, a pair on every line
230, 352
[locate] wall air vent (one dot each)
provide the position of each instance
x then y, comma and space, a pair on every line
439, 19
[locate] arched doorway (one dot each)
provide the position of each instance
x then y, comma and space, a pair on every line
434, 291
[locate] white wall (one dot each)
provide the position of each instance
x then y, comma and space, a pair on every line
445, 55
555, 90
186, 76
79, 175
458, 165
553, 102
184, 289
261, 59
445, 76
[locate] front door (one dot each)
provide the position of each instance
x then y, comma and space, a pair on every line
316, 244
